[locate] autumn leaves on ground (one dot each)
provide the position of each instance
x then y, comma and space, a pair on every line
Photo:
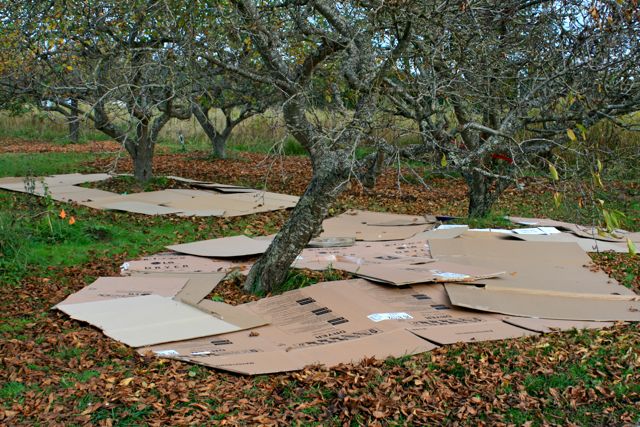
56, 371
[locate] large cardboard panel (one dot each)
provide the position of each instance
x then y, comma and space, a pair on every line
140, 207
485, 330
169, 262
567, 306
446, 233
226, 247
358, 224
386, 344
534, 265
107, 288
587, 245
587, 232
400, 252
147, 320
552, 325
429, 272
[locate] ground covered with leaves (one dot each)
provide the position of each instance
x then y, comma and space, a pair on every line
56, 371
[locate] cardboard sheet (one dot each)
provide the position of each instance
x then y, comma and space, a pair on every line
427, 272
184, 202
587, 245
365, 225
168, 262
551, 325
225, 247
587, 232
147, 320
107, 288
178, 305
340, 322
139, 207
564, 306
534, 265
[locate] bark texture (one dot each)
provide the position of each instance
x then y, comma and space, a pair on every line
305, 222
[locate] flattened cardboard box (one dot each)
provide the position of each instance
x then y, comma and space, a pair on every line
552, 325
132, 310
534, 265
340, 322
108, 288
147, 320
225, 247
587, 245
362, 226
168, 262
562, 306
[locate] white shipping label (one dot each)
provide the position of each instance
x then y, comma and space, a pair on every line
379, 317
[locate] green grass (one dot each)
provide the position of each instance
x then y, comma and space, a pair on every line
19, 164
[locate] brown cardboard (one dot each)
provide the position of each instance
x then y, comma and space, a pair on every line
552, 325
587, 245
146, 320
223, 248
224, 188
430, 272
386, 344
450, 233
565, 306
168, 262
360, 224
140, 207
194, 202
107, 288
579, 230
398, 252
488, 330
340, 322
198, 287
534, 265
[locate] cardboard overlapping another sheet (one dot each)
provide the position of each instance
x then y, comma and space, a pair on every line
374, 226
548, 280
341, 322
394, 263
149, 310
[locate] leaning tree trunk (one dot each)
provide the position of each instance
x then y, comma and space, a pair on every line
304, 223
74, 123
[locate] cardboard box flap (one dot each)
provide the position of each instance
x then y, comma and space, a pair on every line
177, 263
106, 288
430, 272
552, 325
199, 285
235, 246
237, 315
553, 266
550, 306
471, 332
147, 320
587, 245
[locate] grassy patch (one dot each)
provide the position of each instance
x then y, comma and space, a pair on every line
39, 164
